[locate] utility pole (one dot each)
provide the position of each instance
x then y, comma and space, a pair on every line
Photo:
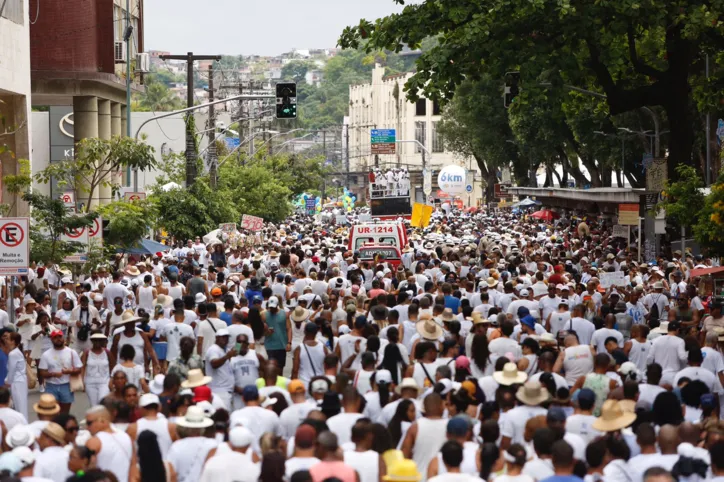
190, 58
212, 132
708, 135
128, 34
324, 144
346, 154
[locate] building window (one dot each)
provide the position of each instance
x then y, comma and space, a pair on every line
437, 145
420, 135
421, 107
436, 108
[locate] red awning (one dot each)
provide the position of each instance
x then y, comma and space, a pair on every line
706, 271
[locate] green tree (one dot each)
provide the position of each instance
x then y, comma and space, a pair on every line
16, 184
95, 162
640, 53
51, 219
129, 222
255, 190
296, 70
157, 97
197, 210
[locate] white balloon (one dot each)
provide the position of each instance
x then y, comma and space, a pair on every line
452, 179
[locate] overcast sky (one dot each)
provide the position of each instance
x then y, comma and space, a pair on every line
267, 27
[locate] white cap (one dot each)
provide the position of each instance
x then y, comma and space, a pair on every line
524, 292
268, 402
273, 302
207, 408
240, 437
200, 298
383, 376
98, 298
25, 454
222, 332
320, 386
149, 399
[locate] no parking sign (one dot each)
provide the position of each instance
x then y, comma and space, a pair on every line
14, 246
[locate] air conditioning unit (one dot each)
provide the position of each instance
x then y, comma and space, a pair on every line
143, 62
119, 52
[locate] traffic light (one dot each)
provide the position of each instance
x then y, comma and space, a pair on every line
286, 100
512, 89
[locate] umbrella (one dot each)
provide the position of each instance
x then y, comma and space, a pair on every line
528, 202
145, 246
545, 215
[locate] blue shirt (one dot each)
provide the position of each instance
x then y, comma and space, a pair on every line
562, 478
452, 303
226, 318
3, 366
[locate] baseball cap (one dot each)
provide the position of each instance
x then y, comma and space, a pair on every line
319, 386
222, 332
55, 333
586, 395
240, 437
257, 299
458, 427
250, 392
469, 387
383, 376
273, 302
524, 292
462, 362
555, 414
149, 399
216, 292
296, 386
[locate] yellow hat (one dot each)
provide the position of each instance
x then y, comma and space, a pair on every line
404, 470
391, 456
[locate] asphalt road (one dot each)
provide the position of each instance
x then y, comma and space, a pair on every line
78, 408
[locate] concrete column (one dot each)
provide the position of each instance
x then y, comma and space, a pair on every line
104, 132
85, 123
116, 126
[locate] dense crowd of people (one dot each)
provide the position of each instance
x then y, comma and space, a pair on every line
499, 348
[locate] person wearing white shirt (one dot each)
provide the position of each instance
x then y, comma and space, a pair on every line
583, 328
598, 340
504, 344
550, 303
669, 351
56, 367
341, 424
255, 415
525, 301
52, 462
218, 367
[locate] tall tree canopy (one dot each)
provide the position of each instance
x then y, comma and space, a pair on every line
639, 53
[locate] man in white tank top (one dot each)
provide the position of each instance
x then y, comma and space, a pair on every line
309, 355
426, 435
114, 449
152, 420
363, 459
452, 457
459, 431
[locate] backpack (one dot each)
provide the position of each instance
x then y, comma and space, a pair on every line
654, 312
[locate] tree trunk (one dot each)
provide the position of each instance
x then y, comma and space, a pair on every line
568, 166
681, 135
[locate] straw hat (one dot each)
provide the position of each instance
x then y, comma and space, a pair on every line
429, 330
476, 318
55, 432
407, 383
404, 470
448, 315
391, 456
510, 375
491, 282
628, 406
47, 405
532, 393
299, 314
133, 271
196, 378
163, 300
613, 417
195, 418
126, 317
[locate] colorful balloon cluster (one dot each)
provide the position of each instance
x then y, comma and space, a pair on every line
347, 202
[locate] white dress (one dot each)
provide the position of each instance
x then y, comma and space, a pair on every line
18, 380
97, 376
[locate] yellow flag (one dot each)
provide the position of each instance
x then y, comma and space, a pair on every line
421, 214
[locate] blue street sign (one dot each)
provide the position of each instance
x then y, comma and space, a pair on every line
232, 142
469, 188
